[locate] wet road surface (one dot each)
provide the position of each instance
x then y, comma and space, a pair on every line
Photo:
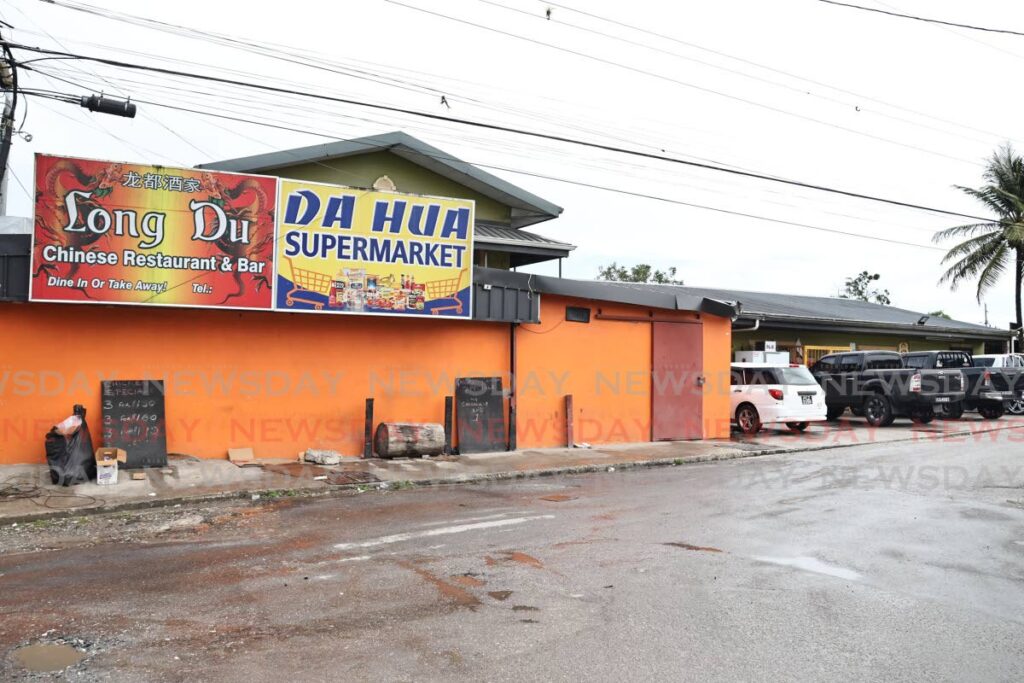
879, 562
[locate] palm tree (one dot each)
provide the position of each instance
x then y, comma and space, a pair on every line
991, 246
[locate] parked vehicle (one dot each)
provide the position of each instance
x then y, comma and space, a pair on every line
986, 389
1015, 405
998, 360
878, 384
774, 394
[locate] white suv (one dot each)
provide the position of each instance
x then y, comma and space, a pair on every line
771, 394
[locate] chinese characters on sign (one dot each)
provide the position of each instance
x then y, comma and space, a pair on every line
116, 233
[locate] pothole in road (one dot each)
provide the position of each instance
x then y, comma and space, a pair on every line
47, 657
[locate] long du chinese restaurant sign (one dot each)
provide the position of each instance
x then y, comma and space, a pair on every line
114, 233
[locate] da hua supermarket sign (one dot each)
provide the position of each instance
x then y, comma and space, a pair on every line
341, 250
115, 233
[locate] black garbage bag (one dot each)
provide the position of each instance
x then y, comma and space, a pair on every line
70, 455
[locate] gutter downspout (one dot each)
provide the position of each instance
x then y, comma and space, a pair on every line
755, 328
512, 387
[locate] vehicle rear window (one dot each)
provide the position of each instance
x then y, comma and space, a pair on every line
795, 376
952, 360
916, 361
826, 364
884, 363
849, 363
763, 376
984, 362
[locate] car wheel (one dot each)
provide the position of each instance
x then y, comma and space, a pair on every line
923, 416
748, 419
1015, 407
833, 414
951, 411
797, 426
991, 412
877, 410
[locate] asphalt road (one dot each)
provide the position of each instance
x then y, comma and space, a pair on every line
887, 562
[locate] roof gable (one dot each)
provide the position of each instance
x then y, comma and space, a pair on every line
526, 208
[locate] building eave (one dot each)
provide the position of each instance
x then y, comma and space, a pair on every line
526, 208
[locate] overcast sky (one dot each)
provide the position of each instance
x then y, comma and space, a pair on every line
889, 107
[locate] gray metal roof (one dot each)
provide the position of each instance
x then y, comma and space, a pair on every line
600, 290
819, 311
492, 234
527, 208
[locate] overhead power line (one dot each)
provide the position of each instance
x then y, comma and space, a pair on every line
677, 81
924, 19
497, 127
760, 65
532, 174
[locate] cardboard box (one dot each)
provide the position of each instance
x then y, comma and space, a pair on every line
107, 462
243, 457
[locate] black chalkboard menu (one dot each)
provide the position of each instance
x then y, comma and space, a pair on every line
134, 419
480, 414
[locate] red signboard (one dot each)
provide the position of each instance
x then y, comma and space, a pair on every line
114, 233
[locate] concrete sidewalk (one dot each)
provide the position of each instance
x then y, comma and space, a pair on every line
26, 493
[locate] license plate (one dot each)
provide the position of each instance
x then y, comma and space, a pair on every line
807, 400
942, 399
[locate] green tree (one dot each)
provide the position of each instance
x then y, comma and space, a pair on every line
641, 272
940, 314
861, 286
993, 246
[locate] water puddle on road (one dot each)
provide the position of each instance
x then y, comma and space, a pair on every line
811, 564
47, 657
559, 497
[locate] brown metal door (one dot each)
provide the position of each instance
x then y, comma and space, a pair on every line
677, 382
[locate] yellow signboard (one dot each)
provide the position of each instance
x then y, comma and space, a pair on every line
344, 250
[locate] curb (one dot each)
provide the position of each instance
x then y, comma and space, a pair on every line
328, 491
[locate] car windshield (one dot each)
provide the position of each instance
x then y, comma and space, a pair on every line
795, 376
984, 362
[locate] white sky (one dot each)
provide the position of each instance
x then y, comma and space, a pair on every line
964, 77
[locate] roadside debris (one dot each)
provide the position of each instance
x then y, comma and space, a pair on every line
108, 461
69, 452
243, 457
322, 457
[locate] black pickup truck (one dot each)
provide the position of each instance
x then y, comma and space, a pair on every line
986, 390
879, 386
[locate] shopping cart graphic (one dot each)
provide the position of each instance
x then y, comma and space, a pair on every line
443, 295
306, 283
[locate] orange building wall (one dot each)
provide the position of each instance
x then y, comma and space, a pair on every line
717, 354
282, 383
606, 366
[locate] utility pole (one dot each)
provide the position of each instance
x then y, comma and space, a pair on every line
9, 82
